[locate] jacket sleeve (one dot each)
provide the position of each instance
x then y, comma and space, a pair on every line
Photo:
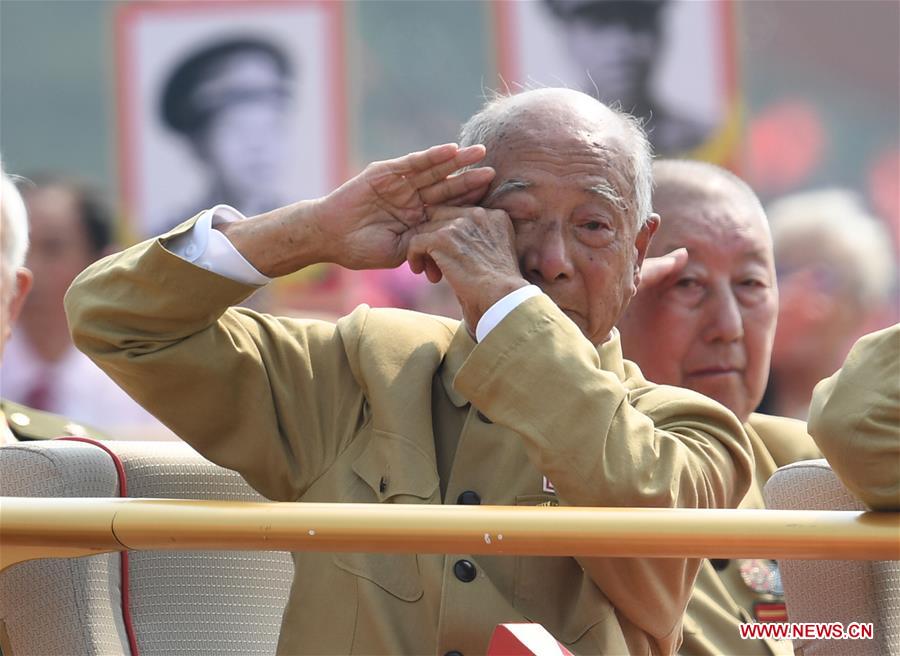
274, 399
603, 443
855, 419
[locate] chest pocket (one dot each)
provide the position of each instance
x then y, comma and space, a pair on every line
395, 470
390, 469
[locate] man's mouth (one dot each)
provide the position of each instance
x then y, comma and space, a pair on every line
710, 372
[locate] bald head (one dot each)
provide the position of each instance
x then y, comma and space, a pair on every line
679, 185
573, 177
710, 326
561, 116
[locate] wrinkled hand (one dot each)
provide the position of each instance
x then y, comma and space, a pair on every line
656, 269
366, 221
474, 249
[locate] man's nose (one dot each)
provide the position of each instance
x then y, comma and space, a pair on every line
547, 259
725, 323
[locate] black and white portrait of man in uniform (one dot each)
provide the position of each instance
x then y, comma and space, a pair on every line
663, 61
234, 102
230, 102
618, 44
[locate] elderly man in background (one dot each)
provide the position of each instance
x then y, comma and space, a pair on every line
836, 273
709, 327
17, 421
527, 402
69, 227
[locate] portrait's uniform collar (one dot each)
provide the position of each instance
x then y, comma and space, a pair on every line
461, 346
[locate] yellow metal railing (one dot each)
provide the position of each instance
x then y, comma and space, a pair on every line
33, 528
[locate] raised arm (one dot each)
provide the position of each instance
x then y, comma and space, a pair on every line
588, 420
365, 223
251, 392
605, 441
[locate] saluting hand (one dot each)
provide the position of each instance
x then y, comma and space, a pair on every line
656, 269
365, 223
367, 219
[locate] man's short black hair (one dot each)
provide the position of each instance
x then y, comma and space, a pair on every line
179, 108
637, 14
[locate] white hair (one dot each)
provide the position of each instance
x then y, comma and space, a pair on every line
832, 227
487, 125
13, 226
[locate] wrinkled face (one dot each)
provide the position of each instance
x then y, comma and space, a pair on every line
710, 326
571, 206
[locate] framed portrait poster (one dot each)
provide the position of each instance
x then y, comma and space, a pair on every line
239, 103
669, 62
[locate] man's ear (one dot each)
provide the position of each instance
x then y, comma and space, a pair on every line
23, 283
642, 244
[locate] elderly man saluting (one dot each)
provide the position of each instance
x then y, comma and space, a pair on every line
709, 326
528, 401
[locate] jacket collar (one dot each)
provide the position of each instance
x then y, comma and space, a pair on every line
610, 353
460, 347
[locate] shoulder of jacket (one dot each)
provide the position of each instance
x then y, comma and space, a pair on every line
647, 396
30, 424
786, 439
391, 327
382, 342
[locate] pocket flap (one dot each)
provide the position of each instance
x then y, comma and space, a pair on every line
394, 466
397, 574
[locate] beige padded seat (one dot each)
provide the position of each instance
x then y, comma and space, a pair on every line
835, 591
183, 603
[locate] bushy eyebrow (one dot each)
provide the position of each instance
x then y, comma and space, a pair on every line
608, 193
506, 187
602, 189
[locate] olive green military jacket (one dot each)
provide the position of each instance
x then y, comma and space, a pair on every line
855, 419
363, 411
724, 598
26, 424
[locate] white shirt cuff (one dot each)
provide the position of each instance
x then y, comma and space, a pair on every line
498, 311
211, 249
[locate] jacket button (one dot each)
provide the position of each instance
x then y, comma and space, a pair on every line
464, 570
483, 417
453, 653
719, 563
469, 498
